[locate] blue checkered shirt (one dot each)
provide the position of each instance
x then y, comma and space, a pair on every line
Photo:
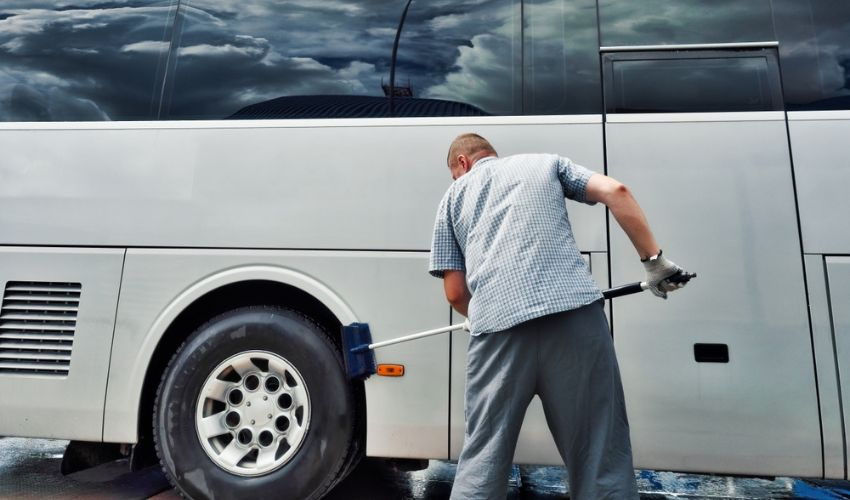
505, 224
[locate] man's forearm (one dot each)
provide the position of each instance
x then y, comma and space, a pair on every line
630, 217
457, 293
617, 197
462, 306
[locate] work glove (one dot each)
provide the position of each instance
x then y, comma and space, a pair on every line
659, 270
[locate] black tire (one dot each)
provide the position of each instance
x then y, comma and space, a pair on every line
325, 450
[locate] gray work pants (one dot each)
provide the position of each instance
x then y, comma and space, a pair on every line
568, 360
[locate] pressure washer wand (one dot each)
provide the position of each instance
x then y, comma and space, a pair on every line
607, 294
357, 339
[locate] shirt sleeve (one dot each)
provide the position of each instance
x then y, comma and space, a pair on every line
574, 179
445, 251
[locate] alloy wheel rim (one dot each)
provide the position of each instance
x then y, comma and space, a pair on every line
252, 413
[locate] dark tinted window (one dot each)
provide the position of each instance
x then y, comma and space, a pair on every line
696, 81
303, 59
90, 60
814, 44
561, 57
659, 22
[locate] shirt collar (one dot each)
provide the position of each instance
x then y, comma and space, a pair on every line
482, 160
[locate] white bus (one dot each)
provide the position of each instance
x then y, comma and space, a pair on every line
196, 194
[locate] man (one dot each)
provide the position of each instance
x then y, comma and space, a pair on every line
505, 249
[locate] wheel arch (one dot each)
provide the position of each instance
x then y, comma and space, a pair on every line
216, 294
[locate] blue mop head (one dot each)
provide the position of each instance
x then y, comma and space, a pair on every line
359, 359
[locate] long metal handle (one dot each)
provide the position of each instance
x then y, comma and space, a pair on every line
415, 336
619, 291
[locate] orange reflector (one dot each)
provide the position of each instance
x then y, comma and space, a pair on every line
391, 370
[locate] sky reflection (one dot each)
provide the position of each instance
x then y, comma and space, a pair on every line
118, 59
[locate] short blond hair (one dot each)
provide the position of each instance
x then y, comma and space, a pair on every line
468, 145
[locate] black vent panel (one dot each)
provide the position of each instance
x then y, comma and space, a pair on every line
37, 324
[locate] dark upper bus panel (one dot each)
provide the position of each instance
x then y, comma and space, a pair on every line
675, 22
92, 60
814, 45
262, 59
86, 61
560, 58
813, 36
259, 59
681, 81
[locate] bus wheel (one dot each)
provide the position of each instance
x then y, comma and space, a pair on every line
255, 404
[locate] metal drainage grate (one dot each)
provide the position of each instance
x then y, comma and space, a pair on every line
37, 323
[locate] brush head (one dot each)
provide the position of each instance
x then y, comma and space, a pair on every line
359, 359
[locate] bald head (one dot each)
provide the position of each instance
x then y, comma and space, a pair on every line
468, 145
465, 150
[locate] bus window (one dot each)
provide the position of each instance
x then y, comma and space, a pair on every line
691, 81
560, 58
261, 59
90, 62
814, 44
660, 22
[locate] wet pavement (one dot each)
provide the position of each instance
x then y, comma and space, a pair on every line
29, 469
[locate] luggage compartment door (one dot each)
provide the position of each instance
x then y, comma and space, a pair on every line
700, 137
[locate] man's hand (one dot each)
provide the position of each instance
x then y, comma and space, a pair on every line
661, 275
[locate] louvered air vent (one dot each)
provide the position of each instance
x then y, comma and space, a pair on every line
37, 323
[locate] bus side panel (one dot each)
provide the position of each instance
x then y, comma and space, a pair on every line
824, 341
360, 184
838, 273
58, 306
822, 168
391, 291
718, 192
822, 172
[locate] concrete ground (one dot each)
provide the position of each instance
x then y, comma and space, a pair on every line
29, 469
